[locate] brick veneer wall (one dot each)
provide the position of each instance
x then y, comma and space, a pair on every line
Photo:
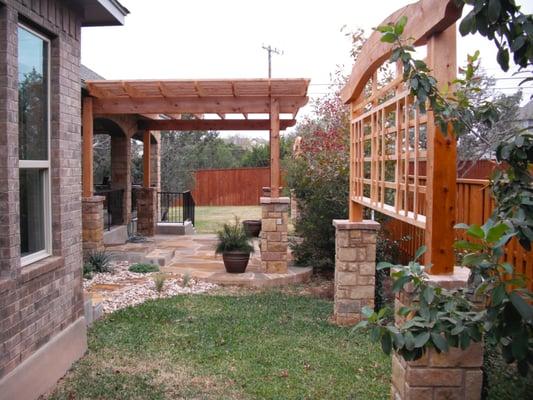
40, 300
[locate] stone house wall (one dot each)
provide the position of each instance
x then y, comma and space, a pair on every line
41, 304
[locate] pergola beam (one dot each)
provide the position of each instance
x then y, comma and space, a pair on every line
207, 125
184, 105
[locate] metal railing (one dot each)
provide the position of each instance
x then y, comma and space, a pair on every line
113, 206
176, 207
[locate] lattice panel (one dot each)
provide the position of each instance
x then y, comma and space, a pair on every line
389, 154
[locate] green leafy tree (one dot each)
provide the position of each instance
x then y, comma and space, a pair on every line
184, 152
259, 155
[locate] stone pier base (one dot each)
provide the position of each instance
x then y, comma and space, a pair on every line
453, 375
274, 241
355, 269
92, 223
146, 211
295, 211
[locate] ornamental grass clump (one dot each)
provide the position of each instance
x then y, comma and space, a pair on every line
98, 261
232, 237
159, 282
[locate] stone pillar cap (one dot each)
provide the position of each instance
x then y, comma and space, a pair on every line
366, 224
274, 200
456, 280
93, 199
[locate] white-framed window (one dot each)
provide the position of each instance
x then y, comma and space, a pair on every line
34, 145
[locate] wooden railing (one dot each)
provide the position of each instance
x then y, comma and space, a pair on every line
474, 206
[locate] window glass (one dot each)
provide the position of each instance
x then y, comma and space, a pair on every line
34, 162
33, 96
32, 221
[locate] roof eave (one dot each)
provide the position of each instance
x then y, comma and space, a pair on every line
103, 13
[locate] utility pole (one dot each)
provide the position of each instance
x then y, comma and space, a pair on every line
271, 50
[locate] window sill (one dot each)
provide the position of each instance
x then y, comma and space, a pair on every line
41, 267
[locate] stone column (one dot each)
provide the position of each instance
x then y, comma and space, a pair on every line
295, 212
454, 375
274, 241
92, 223
146, 211
121, 172
355, 269
155, 165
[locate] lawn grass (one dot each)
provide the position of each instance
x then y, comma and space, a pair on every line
268, 345
209, 219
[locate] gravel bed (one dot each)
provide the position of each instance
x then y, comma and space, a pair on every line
139, 287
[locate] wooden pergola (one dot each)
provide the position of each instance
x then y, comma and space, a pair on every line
232, 104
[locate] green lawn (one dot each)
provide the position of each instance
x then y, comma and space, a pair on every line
266, 345
209, 219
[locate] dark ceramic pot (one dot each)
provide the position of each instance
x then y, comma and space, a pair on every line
235, 261
252, 227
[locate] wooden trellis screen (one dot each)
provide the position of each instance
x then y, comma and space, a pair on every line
390, 137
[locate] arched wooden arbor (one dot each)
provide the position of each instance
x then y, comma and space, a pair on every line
244, 104
390, 137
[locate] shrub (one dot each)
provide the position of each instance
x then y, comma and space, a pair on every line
502, 381
324, 197
100, 261
232, 237
186, 279
143, 268
387, 250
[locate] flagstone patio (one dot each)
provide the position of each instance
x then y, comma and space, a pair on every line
194, 255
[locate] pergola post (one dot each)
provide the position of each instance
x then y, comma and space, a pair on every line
146, 159
147, 196
87, 147
274, 147
441, 164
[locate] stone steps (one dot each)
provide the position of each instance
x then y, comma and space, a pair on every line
160, 257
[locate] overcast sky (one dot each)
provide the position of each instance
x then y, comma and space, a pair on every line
169, 39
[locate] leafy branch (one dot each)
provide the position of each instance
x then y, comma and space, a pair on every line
502, 22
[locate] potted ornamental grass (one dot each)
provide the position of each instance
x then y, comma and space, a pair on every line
235, 247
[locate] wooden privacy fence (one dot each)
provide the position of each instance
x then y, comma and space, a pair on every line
230, 187
474, 206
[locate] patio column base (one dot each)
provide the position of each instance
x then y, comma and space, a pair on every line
456, 374
355, 269
274, 241
147, 211
92, 223
295, 210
